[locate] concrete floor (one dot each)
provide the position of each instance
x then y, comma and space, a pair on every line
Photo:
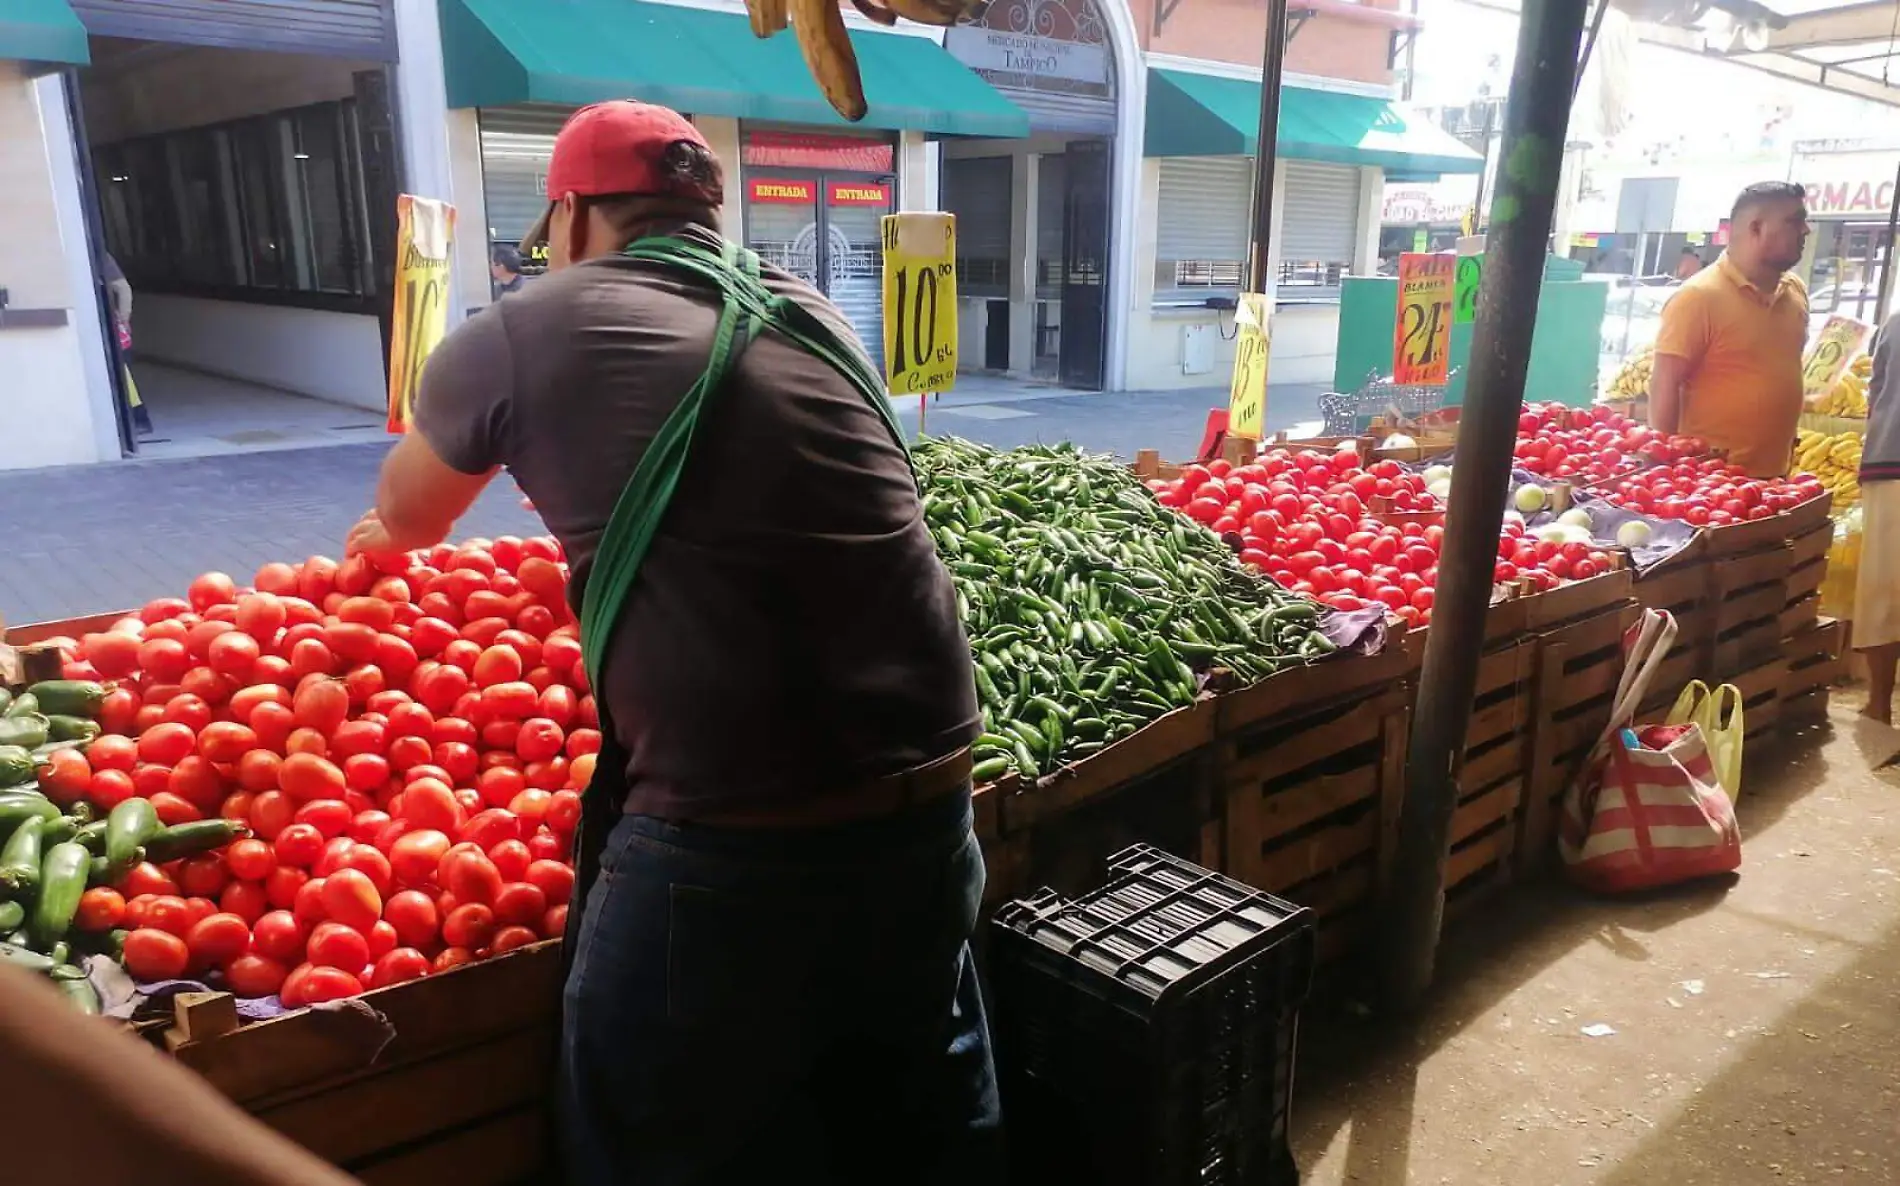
1757, 1025
199, 415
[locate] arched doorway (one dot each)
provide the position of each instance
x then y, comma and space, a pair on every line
1046, 199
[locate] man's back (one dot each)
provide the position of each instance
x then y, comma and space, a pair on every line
792, 630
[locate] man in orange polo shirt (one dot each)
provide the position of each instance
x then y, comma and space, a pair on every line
1728, 359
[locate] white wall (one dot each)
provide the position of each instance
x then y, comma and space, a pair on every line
44, 401
468, 272
722, 136
333, 356
88, 318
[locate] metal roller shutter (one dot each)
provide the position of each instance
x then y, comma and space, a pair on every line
517, 143
976, 190
1319, 222
345, 28
1051, 201
1204, 208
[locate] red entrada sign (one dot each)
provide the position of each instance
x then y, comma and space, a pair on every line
858, 193
782, 191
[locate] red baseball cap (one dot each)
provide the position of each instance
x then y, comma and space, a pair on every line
620, 147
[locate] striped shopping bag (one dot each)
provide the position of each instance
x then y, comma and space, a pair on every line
1648, 809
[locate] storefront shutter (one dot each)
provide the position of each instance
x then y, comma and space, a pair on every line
976, 190
1052, 191
1201, 236
346, 28
517, 143
1319, 222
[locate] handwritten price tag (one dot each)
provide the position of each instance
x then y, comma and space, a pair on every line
1247, 397
1421, 334
1834, 347
1464, 290
920, 302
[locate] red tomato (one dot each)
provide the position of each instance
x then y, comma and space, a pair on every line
169, 912
471, 925
500, 784
563, 811
540, 740
305, 777
452, 957
147, 878
459, 759
554, 922
254, 975
429, 803
398, 966
350, 898
65, 777
217, 940
520, 904
333, 945
415, 856
203, 876
369, 860
553, 878
246, 899
166, 743
512, 858
491, 827
100, 909
323, 983
546, 846
151, 955
415, 917
330, 817
509, 938
470, 876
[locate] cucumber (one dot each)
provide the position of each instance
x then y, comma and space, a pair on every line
22, 704
80, 994
16, 764
67, 972
16, 807
20, 857
92, 836
28, 730
6, 700
61, 727
62, 880
69, 697
129, 826
12, 916
24, 958
190, 839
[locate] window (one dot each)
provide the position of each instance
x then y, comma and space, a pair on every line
1206, 206
270, 207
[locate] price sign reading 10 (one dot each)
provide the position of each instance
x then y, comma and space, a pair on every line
920, 302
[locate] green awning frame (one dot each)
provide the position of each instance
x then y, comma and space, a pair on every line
1203, 115
501, 52
42, 31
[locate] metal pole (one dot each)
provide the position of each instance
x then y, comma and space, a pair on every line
1589, 44
1484, 164
1535, 121
1886, 261
1266, 141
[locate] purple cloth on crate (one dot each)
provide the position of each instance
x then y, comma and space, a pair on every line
1358, 631
1666, 536
158, 993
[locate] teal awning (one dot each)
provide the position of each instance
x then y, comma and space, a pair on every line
1202, 115
498, 52
42, 31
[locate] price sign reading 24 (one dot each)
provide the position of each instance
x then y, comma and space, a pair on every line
1421, 333
920, 302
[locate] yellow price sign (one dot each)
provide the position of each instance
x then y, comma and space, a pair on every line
425, 233
1834, 347
1421, 333
920, 302
1247, 396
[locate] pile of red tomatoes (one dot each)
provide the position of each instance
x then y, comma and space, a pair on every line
1592, 444
405, 740
1711, 493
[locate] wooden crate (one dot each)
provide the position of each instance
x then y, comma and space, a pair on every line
1760, 687
1799, 614
1312, 801
1685, 588
441, 1080
1492, 773
1577, 669
1170, 738
1740, 538
1816, 659
1750, 594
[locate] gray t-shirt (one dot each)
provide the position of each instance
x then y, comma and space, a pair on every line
792, 630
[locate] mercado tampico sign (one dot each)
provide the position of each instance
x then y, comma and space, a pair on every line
425, 233
920, 302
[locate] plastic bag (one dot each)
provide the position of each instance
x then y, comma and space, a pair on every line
1718, 715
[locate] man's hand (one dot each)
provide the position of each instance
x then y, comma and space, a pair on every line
370, 538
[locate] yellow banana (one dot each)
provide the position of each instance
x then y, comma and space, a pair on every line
767, 16
875, 11
828, 55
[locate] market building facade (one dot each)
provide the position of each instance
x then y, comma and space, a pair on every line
240, 160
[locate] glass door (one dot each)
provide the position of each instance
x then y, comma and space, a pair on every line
823, 228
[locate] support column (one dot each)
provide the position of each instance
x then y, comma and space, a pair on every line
1025, 184
1365, 254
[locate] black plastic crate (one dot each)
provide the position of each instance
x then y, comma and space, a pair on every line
1145, 1031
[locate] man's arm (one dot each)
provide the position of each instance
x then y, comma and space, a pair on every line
457, 443
1680, 345
74, 1077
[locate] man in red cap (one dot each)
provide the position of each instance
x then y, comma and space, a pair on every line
771, 977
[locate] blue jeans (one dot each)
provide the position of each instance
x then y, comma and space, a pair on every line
776, 1006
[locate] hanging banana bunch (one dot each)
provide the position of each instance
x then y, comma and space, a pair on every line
822, 39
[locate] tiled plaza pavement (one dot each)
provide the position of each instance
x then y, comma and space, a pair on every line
93, 539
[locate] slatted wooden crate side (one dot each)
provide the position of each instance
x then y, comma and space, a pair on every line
1757, 602
1760, 688
1320, 795
274, 1062
362, 1117
1564, 730
1592, 658
514, 1148
1745, 647
1806, 579
1169, 739
1735, 574
1812, 544
1479, 866
1800, 613
1816, 658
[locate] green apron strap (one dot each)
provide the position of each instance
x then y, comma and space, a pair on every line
748, 308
